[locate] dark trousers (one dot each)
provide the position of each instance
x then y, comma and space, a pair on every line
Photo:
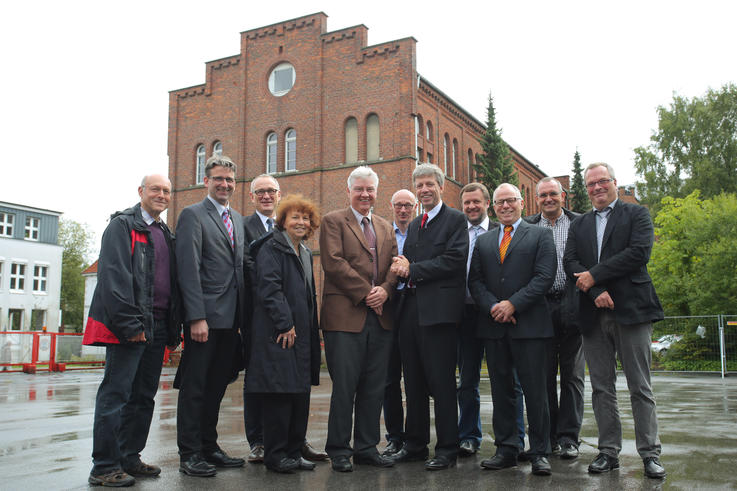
470, 355
529, 358
566, 413
285, 425
357, 364
253, 416
125, 402
393, 407
429, 362
207, 369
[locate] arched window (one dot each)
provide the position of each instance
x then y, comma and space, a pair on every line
454, 158
200, 164
445, 154
217, 149
429, 131
290, 150
419, 125
372, 137
351, 140
470, 164
271, 140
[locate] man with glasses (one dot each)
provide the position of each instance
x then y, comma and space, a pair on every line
606, 255
566, 418
210, 261
512, 267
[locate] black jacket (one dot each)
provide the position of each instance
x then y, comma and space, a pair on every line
282, 300
122, 305
569, 302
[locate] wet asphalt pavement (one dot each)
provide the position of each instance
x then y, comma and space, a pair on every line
46, 441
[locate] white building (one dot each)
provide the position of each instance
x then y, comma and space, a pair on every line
30, 268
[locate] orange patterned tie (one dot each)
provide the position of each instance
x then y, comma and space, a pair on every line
505, 241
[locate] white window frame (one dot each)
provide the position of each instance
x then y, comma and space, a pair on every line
454, 152
7, 221
272, 140
290, 140
445, 154
40, 281
32, 228
2, 270
44, 313
22, 318
217, 149
199, 163
272, 79
18, 277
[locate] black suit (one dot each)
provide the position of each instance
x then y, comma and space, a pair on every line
625, 332
212, 283
524, 277
432, 309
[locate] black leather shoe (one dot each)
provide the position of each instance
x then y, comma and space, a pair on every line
467, 448
439, 463
406, 456
341, 463
309, 453
541, 466
257, 454
393, 447
523, 456
285, 466
219, 458
197, 466
568, 451
140, 469
653, 468
603, 463
373, 459
499, 461
306, 465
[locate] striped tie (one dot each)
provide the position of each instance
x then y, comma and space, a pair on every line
505, 241
228, 226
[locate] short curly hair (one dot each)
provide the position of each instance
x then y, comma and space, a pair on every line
296, 202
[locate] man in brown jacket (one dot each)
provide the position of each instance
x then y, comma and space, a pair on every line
356, 250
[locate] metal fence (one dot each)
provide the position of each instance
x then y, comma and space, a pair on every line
52, 351
701, 343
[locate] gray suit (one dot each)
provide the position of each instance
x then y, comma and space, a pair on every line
211, 280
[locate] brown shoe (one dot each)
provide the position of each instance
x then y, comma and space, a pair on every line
113, 479
309, 453
141, 469
257, 454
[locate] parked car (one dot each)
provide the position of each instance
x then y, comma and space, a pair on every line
662, 344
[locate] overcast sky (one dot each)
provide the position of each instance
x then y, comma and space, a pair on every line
85, 83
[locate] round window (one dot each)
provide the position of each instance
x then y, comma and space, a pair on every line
281, 79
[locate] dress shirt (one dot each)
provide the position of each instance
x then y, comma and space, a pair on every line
220, 208
263, 219
433, 213
560, 236
501, 230
146, 217
601, 219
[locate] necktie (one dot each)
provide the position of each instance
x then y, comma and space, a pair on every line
371, 240
424, 221
228, 226
505, 241
602, 217
475, 232
269, 225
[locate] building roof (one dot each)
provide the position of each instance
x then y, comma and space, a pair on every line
92, 269
30, 208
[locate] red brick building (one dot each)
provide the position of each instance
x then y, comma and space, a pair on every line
309, 105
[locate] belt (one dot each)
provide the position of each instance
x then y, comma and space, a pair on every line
556, 296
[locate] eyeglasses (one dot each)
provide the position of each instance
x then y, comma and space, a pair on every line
600, 182
221, 179
552, 194
408, 206
509, 201
270, 191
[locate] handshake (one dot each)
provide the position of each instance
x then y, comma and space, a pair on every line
400, 266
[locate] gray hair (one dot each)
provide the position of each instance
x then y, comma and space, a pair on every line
145, 178
424, 170
394, 196
548, 179
609, 168
363, 172
219, 161
263, 176
508, 185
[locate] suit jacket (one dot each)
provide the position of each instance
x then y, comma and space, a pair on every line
622, 267
348, 267
437, 256
525, 276
211, 274
253, 228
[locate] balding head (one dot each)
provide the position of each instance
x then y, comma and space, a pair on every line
155, 193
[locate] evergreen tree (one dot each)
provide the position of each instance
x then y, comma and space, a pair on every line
494, 166
579, 197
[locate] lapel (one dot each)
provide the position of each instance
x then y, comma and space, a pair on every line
212, 212
611, 223
353, 225
588, 229
380, 235
518, 236
494, 237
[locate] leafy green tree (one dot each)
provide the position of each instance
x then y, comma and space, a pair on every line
76, 239
579, 197
694, 259
494, 166
695, 147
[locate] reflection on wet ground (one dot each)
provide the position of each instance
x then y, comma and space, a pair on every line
46, 441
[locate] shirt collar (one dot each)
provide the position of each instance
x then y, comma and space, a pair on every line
514, 225
484, 224
146, 217
434, 212
264, 218
398, 230
220, 208
359, 217
545, 219
610, 205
